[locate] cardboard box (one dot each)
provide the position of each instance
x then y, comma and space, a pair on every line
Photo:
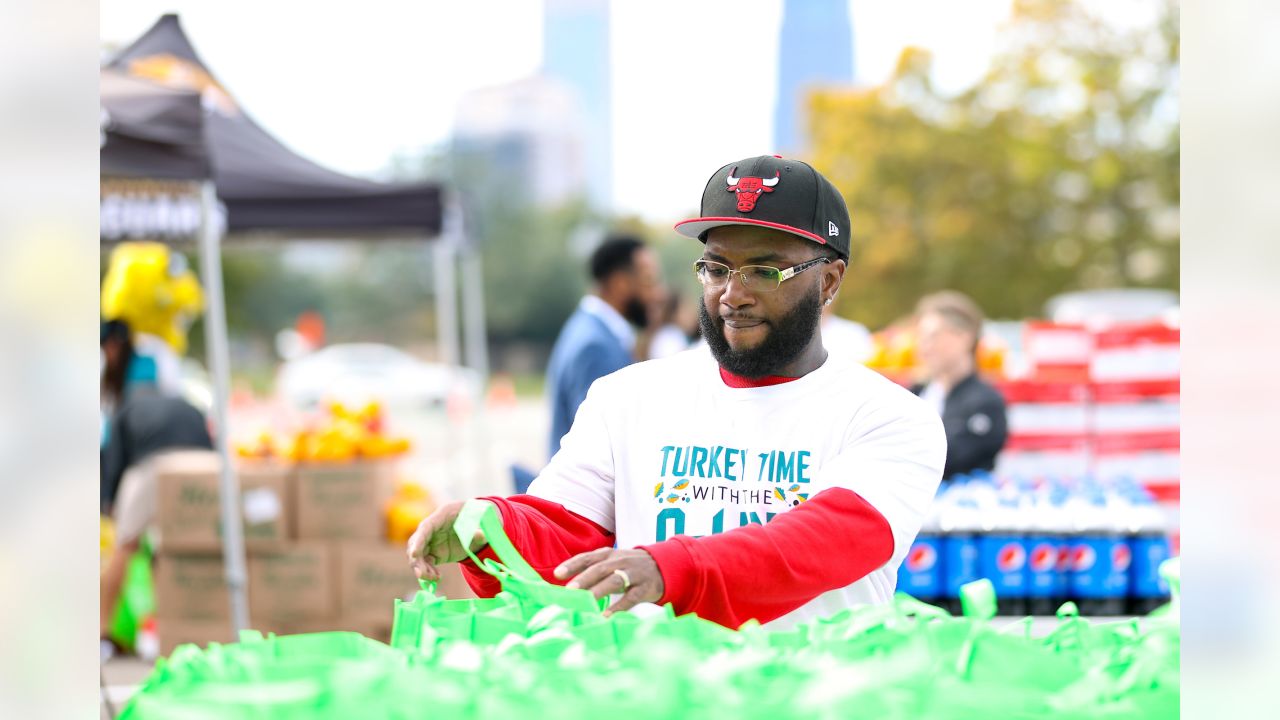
1136, 352
191, 588
342, 501
189, 512
175, 631
292, 583
370, 578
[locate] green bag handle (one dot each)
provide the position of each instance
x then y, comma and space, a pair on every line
978, 601
482, 516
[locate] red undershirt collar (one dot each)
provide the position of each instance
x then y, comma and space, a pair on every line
737, 381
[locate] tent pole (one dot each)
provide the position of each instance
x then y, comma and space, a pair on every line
215, 333
474, 331
446, 291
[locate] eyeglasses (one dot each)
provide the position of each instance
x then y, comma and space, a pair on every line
756, 278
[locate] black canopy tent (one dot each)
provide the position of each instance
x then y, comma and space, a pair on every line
154, 133
264, 188
264, 185
151, 131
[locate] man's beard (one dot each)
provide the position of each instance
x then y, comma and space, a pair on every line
635, 313
782, 345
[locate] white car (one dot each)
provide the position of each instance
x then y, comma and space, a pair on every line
357, 373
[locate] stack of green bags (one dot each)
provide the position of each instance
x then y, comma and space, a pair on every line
542, 651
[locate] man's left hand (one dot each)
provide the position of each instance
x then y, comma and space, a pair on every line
639, 580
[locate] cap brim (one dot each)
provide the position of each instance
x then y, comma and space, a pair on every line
695, 227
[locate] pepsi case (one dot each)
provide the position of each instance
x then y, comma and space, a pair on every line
921, 575
1002, 558
1100, 559
1150, 544
959, 525
1047, 556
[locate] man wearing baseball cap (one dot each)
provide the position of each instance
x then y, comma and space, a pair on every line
761, 480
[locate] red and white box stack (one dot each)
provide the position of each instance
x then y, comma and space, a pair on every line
1057, 350
1135, 417
1048, 429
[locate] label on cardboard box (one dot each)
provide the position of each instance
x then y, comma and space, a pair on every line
191, 587
370, 578
291, 583
342, 501
189, 511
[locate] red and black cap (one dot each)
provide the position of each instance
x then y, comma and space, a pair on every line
773, 192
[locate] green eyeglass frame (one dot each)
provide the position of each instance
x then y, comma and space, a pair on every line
756, 278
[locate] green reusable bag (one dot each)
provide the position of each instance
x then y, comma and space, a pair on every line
137, 599
538, 651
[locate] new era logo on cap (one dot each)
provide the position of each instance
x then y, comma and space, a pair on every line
776, 193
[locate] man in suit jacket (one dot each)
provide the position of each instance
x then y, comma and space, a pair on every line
948, 327
600, 336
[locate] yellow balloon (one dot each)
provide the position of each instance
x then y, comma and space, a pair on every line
152, 289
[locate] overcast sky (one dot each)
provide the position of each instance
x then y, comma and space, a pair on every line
350, 84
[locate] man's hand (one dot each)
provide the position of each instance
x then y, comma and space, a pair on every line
594, 571
435, 543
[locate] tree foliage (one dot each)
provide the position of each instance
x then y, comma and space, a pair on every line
1058, 171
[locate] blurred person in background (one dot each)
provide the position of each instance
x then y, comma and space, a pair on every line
600, 337
844, 337
116, 351
677, 327
948, 328
146, 425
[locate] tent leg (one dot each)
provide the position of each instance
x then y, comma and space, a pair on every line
215, 332
446, 291
477, 350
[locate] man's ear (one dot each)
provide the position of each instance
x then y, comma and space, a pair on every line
832, 276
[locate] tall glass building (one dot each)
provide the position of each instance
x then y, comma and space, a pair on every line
816, 49
576, 53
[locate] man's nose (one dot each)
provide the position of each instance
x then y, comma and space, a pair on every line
735, 292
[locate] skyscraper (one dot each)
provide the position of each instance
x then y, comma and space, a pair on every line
576, 53
521, 141
815, 49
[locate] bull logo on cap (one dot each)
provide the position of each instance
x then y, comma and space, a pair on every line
750, 188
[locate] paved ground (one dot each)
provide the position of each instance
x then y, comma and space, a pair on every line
122, 676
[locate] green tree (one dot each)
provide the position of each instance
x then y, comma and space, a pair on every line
1058, 171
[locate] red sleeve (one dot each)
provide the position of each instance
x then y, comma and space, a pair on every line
766, 571
545, 533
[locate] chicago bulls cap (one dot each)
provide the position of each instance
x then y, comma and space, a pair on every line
773, 192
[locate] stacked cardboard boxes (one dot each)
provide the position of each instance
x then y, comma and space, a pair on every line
1102, 403
1136, 414
1048, 429
315, 539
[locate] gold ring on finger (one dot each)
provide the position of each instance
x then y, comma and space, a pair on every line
626, 579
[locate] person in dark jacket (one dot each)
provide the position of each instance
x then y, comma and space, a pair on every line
600, 336
147, 427
146, 422
948, 327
